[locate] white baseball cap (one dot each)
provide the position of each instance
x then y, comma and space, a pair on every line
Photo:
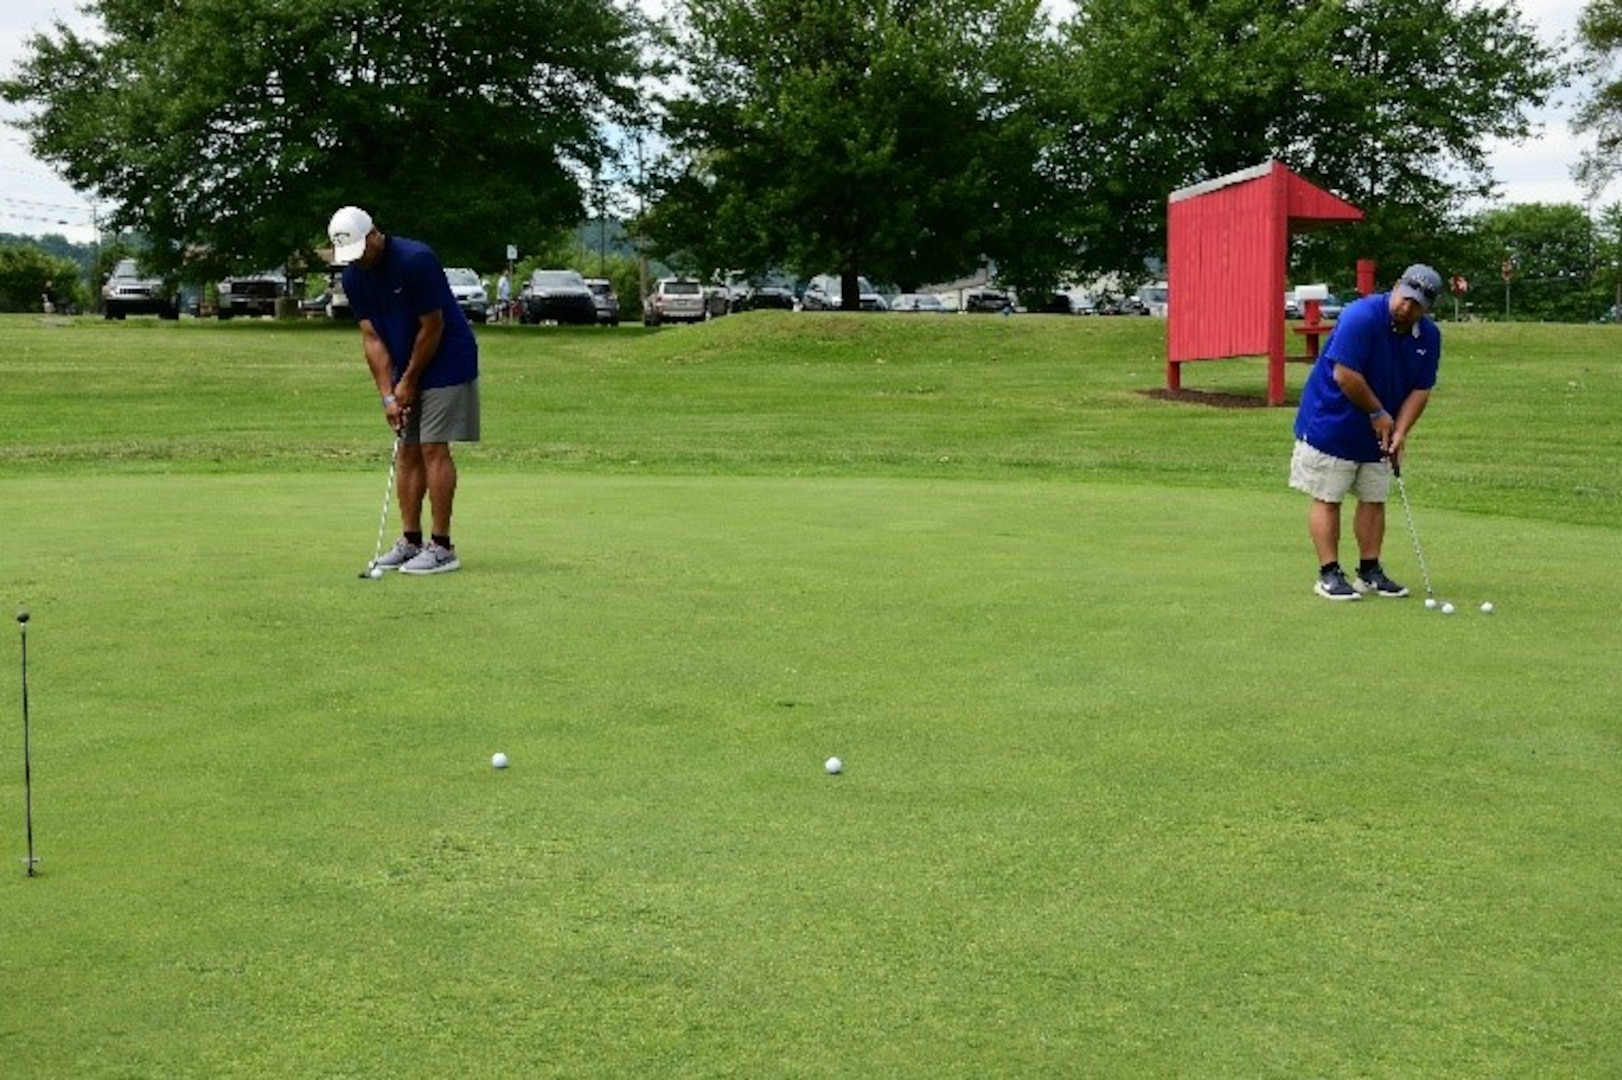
348, 230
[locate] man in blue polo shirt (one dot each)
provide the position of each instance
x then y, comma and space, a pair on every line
1368, 389
425, 362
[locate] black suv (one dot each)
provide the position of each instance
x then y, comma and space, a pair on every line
255, 295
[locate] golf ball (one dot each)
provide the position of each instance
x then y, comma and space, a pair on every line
498, 761
376, 573
834, 766
1486, 607
1447, 609
1430, 603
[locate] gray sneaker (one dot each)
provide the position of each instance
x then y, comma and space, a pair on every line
433, 559
1332, 586
397, 556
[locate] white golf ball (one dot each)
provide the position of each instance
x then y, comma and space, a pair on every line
834, 766
498, 761
1430, 603
377, 573
1447, 609
1486, 607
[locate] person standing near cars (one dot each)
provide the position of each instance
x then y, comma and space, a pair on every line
1367, 390
425, 362
504, 296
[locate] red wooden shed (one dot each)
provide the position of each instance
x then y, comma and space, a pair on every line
1227, 246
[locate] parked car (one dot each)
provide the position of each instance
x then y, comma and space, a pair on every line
1070, 303
1154, 299
824, 294
129, 292
558, 296
674, 300
315, 307
1329, 308
606, 300
766, 297
338, 300
255, 294
924, 302
717, 301
468, 288
992, 300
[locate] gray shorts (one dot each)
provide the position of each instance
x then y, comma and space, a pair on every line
445, 414
1329, 479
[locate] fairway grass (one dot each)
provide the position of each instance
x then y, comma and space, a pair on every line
1121, 798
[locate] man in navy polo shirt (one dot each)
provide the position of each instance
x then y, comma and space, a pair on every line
425, 362
1367, 390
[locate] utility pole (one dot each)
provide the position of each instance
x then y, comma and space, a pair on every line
641, 209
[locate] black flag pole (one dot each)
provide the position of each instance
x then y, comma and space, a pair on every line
28, 770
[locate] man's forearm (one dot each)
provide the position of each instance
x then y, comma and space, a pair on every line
429, 333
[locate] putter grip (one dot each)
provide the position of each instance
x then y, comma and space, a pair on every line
1396, 469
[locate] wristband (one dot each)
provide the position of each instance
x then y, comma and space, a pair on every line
388, 399
1377, 413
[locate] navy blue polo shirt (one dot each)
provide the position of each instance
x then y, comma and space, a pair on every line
1393, 364
406, 282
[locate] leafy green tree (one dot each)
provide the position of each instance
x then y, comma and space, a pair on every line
895, 139
1551, 248
1388, 103
225, 131
1599, 31
1608, 262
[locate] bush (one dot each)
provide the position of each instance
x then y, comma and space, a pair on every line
25, 269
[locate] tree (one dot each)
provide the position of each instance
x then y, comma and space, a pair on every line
1388, 103
226, 131
891, 138
1599, 30
1554, 260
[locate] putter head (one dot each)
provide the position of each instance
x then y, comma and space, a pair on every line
23, 616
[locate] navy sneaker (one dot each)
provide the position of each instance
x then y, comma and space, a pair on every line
1332, 586
1374, 580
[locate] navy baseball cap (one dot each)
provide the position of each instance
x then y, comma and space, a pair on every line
1420, 283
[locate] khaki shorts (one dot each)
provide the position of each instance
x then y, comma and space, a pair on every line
1329, 479
445, 414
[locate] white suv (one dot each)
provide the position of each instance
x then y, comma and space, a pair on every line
127, 292
674, 300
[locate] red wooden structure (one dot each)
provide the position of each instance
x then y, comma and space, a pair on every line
1227, 245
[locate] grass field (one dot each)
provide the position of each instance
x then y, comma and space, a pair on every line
1121, 798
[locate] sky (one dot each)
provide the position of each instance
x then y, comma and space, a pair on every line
34, 201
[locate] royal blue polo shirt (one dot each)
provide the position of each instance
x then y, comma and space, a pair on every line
406, 282
1393, 364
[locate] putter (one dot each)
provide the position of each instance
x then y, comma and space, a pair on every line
28, 771
383, 518
1408, 512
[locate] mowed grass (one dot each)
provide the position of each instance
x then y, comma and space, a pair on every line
1121, 797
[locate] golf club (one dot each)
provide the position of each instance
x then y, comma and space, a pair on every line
28, 771
383, 518
1402, 489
